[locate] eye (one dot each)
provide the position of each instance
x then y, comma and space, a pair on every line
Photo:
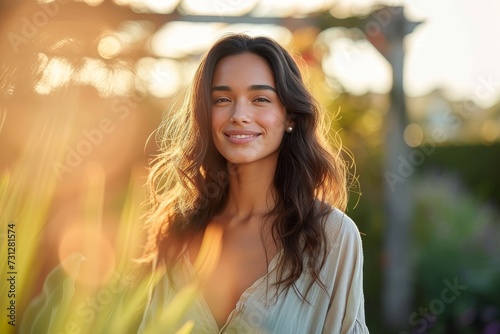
262, 99
222, 100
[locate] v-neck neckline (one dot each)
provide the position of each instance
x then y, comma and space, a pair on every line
241, 301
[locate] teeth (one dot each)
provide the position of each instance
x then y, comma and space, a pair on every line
242, 136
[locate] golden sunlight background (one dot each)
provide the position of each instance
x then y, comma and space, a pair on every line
413, 87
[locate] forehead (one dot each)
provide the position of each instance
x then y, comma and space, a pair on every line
245, 68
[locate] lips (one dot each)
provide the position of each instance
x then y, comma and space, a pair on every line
231, 133
241, 136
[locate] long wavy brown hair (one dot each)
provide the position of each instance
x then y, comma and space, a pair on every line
188, 180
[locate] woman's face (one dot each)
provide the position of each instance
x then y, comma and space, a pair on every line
248, 119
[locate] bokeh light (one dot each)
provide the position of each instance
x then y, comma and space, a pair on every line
109, 47
56, 73
349, 61
413, 135
94, 246
490, 130
179, 39
218, 7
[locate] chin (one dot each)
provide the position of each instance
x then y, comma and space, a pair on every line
239, 161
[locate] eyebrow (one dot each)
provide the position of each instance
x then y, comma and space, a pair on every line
251, 88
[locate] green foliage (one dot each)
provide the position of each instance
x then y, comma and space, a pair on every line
45, 312
78, 296
456, 238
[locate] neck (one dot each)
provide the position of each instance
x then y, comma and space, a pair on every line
251, 190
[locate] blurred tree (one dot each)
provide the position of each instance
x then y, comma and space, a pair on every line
387, 37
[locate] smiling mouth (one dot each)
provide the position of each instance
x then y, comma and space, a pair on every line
242, 136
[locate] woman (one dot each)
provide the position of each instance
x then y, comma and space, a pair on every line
245, 156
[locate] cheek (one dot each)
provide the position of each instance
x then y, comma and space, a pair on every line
217, 120
275, 122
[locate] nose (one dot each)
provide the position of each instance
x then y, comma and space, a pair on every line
240, 113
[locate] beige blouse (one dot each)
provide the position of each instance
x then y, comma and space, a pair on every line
341, 310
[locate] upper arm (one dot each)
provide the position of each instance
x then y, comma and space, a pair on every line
344, 270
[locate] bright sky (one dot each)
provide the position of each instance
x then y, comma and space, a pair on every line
456, 49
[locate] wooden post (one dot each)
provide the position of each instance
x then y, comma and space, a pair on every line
386, 30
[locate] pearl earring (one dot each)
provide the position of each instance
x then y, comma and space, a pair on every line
289, 129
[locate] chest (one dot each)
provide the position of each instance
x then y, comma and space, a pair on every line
242, 262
